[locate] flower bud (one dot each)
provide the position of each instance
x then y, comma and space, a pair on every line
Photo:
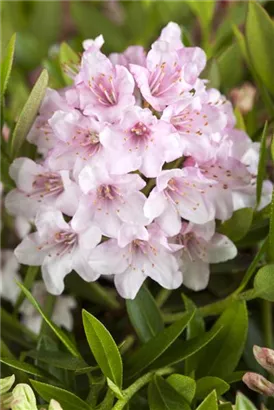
54, 405
259, 384
6, 383
265, 357
23, 398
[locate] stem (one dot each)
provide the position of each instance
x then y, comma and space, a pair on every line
267, 323
162, 297
137, 385
213, 309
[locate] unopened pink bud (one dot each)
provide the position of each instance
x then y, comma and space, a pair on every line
265, 357
259, 384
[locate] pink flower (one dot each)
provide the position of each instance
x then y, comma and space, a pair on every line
195, 122
109, 200
169, 73
104, 89
138, 253
132, 55
41, 132
38, 185
179, 193
143, 141
58, 248
172, 34
201, 246
77, 140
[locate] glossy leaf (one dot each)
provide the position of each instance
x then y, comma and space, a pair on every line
180, 351
212, 73
260, 36
184, 385
145, 315
156, 346
230, 56
264, 283
6, 65
206, 385
243, 403
222, 355
210, 402
161, 396
262, 165
25, 367
29, 112
104, 348
67, 400
59, 333
238, 225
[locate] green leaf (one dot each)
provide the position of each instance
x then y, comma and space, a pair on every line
272, 149
156, 346
264, 283
69, 59
225, 406
66, 399
238, 225
223, 354
117, 392
6, 65
59, 333
195, 328
60, 360
203, 10
28, 281
240, 122
210, 402
144, 315
270, 247
104, 348
261, 165
260, 36
184, 385
161, 396
230, 56
29, 113
212, 73
243, 403
26, 367
205, 385
90, 21
180, 351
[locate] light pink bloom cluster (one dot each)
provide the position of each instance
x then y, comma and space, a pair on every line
138, 159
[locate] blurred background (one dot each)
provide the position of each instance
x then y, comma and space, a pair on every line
41, 27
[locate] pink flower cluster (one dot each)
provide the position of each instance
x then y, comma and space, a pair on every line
138, 159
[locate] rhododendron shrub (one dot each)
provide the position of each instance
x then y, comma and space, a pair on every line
137, 203
142, 157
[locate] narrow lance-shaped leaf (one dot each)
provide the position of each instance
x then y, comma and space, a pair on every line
243, 403
26, 368
238, 225
28, 281
156, 346
222, 355
29, 113
59, 333
67, 400
205, 385
162, 396
262, 165
104, 348
184, 385
6, 65
145, 315
260, 36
